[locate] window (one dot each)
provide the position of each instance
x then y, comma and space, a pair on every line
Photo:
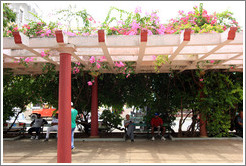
21, 16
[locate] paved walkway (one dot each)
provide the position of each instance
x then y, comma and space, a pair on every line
141, 151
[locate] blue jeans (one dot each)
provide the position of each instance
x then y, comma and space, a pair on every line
72, 138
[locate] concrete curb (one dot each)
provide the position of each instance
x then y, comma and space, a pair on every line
99, 139
12, 139
205, 138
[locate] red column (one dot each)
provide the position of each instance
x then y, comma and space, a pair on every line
203, 130
64, 126
94, 110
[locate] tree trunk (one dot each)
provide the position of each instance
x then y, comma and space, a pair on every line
13, 122
180, 121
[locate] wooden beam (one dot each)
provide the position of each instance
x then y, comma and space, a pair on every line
224, 41
184, 40
23, 41
8, 56
64, 47
101, 40
144, 38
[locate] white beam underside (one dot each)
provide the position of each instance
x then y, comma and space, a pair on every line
209, 46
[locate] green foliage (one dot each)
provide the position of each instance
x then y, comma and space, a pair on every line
111, 119
70, 14
161, 60
17, 92
221, 93
8, 15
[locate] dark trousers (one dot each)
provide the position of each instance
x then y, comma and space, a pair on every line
37, 129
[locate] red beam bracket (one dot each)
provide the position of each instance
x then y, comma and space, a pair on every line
17, 37
59, 36
101, 37
232, 33
144, 35
187, 33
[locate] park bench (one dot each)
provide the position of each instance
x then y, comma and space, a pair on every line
143, 129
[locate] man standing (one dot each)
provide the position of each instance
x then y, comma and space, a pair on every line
157, 124
36, 126
74, 114
129, 125
53, 127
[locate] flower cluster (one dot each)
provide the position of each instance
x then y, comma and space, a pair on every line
198, 20
76, 68
25, 61
45, 53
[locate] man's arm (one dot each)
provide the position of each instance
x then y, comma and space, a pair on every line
126, 124
152, 122
32, 122
44, 121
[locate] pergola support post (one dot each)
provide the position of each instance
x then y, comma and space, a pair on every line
203, 130
94, 110
64, 126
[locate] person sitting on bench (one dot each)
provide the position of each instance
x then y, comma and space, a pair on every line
36, 126
53, 127
239, 123
157, 124
129, 125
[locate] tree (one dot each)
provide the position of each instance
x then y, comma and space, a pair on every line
8, 15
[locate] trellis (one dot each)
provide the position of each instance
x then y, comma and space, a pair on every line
184, 50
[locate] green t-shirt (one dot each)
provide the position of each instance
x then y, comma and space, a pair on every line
73, 117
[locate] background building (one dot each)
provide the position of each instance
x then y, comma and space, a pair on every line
23, 14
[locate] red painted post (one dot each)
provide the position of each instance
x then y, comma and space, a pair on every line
64, 127
94, 109
203, 130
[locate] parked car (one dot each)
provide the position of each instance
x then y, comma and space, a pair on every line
19, 125
45, 112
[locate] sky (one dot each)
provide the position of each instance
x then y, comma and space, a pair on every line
167, 9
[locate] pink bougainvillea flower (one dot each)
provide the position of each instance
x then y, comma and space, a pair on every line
43, 54
149, 32
98, 65
71, 33
212, 61
89, 83
15, 29
231, 67
122, 64
92, 59
201, 79
77, 63
127, 75
153, 57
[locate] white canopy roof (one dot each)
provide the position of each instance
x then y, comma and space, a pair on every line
184, 51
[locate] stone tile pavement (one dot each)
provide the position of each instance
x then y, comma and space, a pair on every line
145, 151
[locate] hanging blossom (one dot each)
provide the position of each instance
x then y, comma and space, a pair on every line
45, 53
119, 64
90, 83
92, 59
25, 61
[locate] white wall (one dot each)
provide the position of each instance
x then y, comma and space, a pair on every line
25, 7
